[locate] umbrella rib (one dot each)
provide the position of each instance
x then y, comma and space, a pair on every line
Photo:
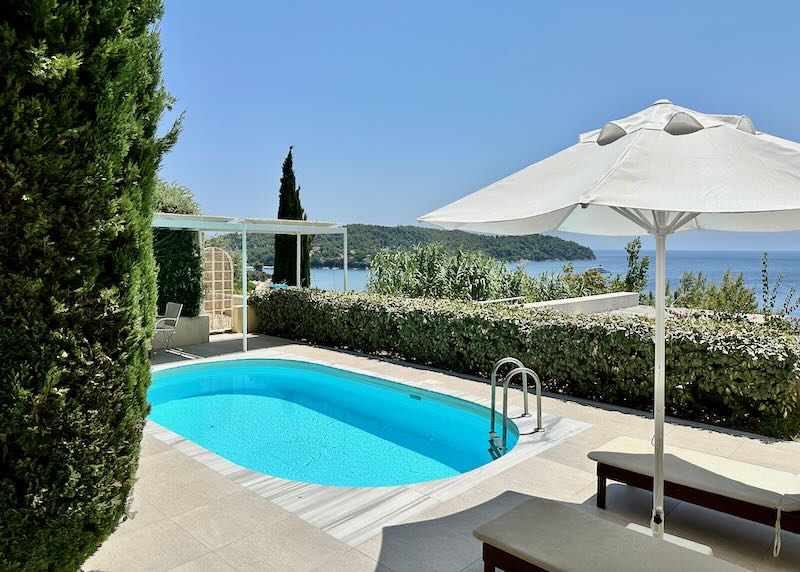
635, 217
681, 220
660, 222
658, 217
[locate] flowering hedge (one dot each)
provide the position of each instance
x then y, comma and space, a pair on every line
741, 376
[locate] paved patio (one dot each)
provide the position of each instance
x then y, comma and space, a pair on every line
194, 513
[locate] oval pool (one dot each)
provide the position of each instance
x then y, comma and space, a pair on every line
317, 424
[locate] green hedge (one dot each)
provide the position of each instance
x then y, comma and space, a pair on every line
81, 95
179, 262
738, 376
180, 270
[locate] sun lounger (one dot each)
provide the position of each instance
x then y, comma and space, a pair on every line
544, 535
742, 489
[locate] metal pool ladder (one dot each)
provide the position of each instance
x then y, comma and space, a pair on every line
497, 445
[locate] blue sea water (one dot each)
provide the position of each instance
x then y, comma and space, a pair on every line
318, 424
712, 262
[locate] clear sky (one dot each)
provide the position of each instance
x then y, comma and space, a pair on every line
398, 107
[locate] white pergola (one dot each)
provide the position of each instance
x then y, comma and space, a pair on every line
298, 228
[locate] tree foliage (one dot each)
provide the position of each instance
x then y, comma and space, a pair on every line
731, 299
81, 94
430, 272
289, 207
366, 240
774, 314
635, 279
177, 252
174, 198
694, 290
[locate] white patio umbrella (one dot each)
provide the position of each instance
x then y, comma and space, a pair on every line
662, 170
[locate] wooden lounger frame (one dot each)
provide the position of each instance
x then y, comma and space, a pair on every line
789, 520
494, 558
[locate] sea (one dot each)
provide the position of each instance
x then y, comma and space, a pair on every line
711, 262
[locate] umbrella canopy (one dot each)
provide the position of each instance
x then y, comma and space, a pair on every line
662, 170
663, 159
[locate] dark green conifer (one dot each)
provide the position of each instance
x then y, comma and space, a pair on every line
81, 96
289, 207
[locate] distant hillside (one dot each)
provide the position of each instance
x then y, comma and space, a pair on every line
364, 240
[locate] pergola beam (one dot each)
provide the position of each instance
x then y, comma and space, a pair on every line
262, 228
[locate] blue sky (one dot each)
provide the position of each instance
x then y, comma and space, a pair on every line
396, 108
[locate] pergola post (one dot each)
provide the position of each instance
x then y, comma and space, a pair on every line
244, 287
345, 256
298, 261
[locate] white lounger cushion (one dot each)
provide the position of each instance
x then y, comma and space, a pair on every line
732, 479
557, 537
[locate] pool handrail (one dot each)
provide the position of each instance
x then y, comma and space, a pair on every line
524, 371
500, 363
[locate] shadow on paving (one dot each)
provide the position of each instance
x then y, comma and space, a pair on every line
218, 346
444, 543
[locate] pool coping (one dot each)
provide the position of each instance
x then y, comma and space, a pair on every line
356, 514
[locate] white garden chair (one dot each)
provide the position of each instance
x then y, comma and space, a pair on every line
167, 324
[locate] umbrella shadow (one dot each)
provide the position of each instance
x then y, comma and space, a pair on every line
444, 543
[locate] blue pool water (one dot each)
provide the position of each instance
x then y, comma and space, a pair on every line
318, 424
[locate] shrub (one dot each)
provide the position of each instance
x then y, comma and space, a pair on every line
730, 296
738, 375
81, 95
635, 278
177, 252
567, 284
776, 316
174, 198
431, 272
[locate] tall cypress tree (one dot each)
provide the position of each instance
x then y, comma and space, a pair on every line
81, 94
289, 208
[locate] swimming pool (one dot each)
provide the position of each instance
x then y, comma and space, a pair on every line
318, 424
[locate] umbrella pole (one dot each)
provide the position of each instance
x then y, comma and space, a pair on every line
657, 522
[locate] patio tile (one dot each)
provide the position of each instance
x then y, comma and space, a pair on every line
176, 491
207, 563
287, 545
624, 504
598, 435
427, 545
540, 477
571, 455
788, 559
165, 462
351, 561
731, 538
703, 440
466, 512
782, 456
229, 518
152, 446
144, 514
476, 566
160, 546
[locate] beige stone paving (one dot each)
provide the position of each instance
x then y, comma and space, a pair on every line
189, 517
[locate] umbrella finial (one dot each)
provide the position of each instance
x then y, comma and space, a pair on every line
661, 101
